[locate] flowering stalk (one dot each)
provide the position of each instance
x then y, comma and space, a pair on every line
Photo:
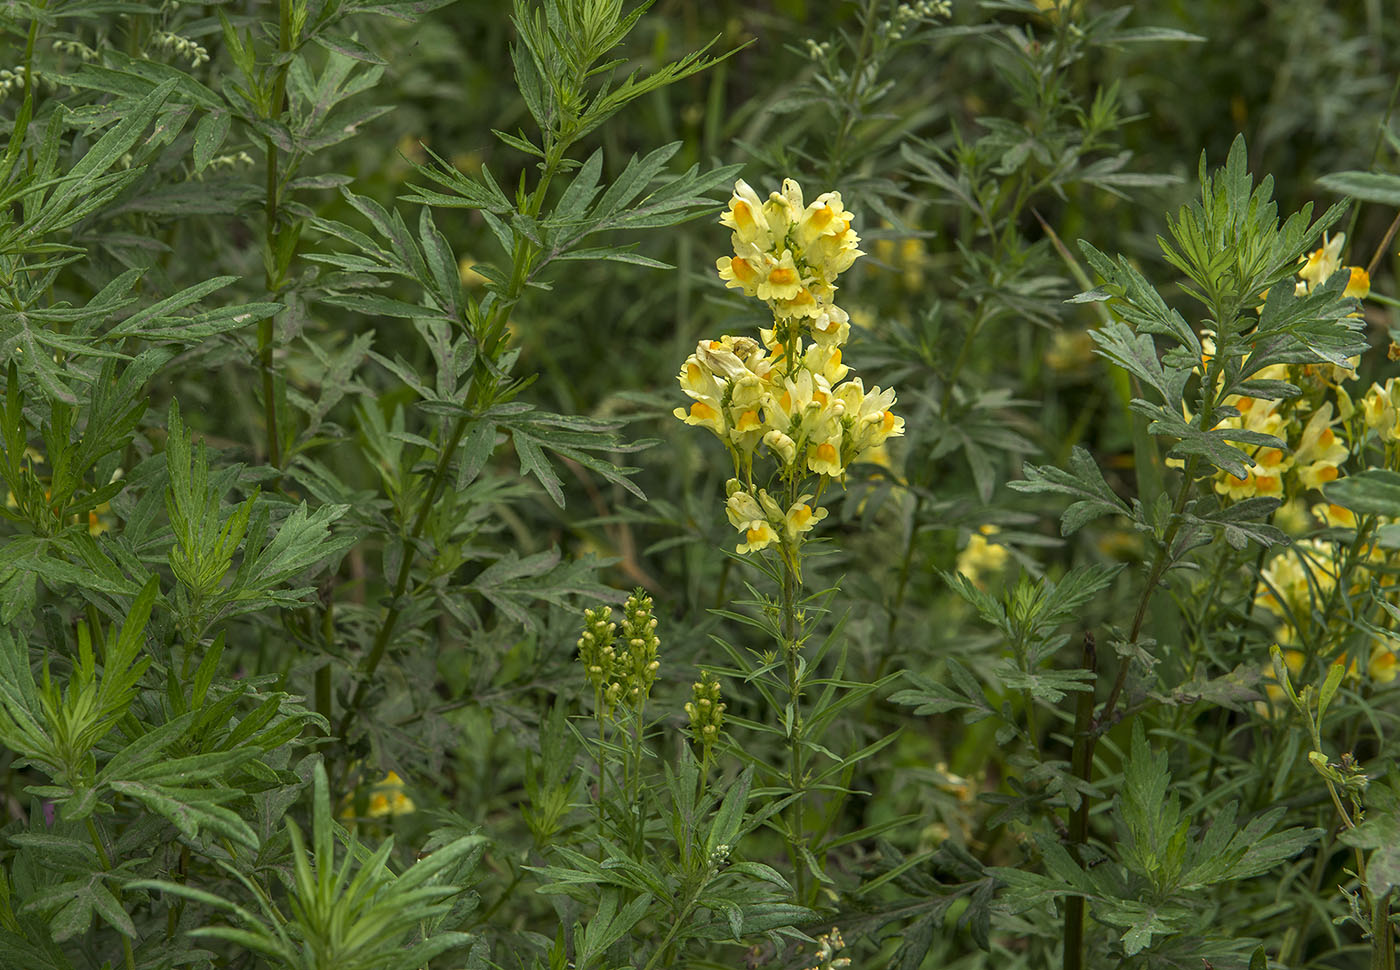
787, 398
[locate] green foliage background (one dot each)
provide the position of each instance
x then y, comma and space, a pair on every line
339, 343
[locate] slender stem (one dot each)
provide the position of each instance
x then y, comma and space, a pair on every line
395, 609
602, 762
1082, 764
676, 925
276, 106
1384, 245
483, 389
903, 582
961, 359
796, 780
106, 862
838, 148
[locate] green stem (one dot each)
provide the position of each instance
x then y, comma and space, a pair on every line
961, 360
903, 582
1082, 765
676, 925
838, 148
602, 762
106, 862
276, 106
483, 389
796, 781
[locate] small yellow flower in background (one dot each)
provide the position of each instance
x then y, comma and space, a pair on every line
1321, 263
1380, 409
388, 798
1384, 665
467, 274
1297, 575
1069, 350
1319, 453
980, 559
1359, 286
1334, 516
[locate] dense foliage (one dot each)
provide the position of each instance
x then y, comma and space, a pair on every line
592, 484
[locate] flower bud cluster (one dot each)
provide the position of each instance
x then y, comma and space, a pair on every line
639, 636
621, 672
705, 711
828, 944
181, 47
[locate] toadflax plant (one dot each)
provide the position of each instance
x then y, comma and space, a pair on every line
788, 400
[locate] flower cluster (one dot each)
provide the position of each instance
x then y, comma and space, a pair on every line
620, 676
387, 799
1321, 263
1297, 583
788, 254
788, 391
1315, 452
828, 945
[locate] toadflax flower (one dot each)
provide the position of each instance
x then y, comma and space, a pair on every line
790, 391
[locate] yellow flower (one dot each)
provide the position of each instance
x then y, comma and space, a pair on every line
1295, 577
1359, 286
745, 216
1322, 262
1381, 409
980, 558
801, 518
1334, 516
388, 798
1319, 453
1384, 665
757, 536
824, 458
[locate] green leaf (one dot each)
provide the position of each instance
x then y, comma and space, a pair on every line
1083, 481
209, 135
1382, 188
1375, 491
